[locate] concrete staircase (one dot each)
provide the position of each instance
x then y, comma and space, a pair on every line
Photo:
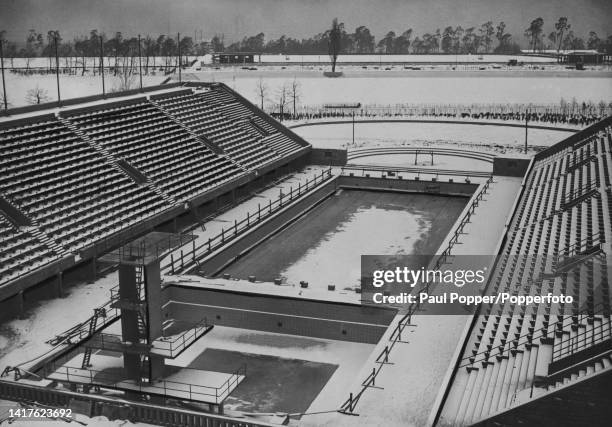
523, 374
205, 142
495, 384
24, 222
44, 237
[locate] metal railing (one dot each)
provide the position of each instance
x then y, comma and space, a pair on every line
586, 246
528, 338
569, 344
169, 347
188, 258
174, 345
166, 388
136, 411
391, 171
350, 404
577, 193
82, 330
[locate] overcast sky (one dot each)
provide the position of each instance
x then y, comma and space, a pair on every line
295, 18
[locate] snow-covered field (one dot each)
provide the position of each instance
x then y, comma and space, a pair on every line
368, 88
422, 90
300, 59
502, 140
17, 87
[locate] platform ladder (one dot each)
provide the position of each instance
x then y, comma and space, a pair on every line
93, 323
143, 335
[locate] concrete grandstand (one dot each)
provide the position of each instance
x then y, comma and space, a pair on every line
210, 208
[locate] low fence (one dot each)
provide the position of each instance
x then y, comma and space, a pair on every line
120, 409
429, 151
395, 171
348, 407
187, 259
165, 388
566, 112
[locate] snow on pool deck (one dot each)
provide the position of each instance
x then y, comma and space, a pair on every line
192, 384
349, 356
24, 339
324, 247
266, 288
410, 386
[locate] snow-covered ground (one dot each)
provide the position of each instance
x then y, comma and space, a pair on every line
348, 356
500, 140
409, 386
377, 89
367, 87
17, 86
23, 339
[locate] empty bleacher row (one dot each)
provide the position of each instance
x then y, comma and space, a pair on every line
558, 242
206, 120
81, 175
20, 251
229, 106
70, 192
170, 157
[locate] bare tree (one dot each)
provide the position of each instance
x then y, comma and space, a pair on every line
2, 99
335, 37
124, 81
282, 99
534, 32
295, 93
561, 26
37, 95
262, 91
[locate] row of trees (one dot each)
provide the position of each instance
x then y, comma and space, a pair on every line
487, 38
562, 37
449, 40
120, 51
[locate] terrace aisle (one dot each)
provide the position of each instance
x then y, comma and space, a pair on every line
408, 389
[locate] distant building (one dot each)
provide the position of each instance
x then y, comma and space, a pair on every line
584, 57
233, 58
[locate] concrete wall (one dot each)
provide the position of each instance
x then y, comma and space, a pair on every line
447, 187
36, 284
269, 313
328, 156
503, 166
248, 241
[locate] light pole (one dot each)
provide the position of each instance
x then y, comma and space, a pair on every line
59, 99
179, 55
353, 111
526, 127
102, 64
140, 62
3, 83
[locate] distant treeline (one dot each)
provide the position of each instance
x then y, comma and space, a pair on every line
487, 38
